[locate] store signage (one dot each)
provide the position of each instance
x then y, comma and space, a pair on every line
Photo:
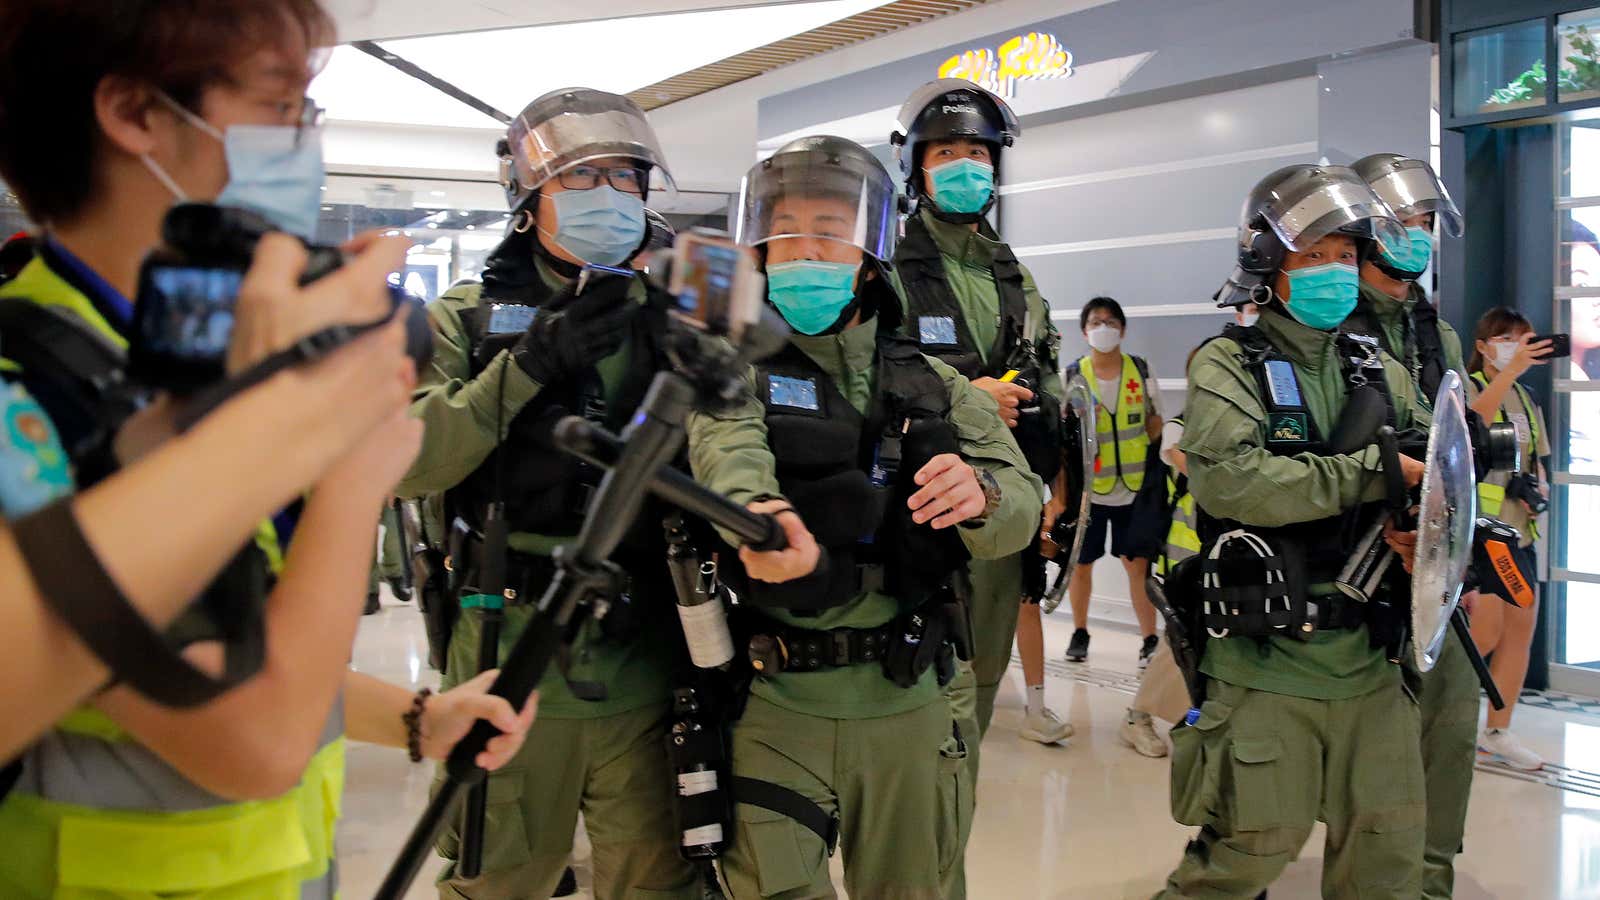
1025, 57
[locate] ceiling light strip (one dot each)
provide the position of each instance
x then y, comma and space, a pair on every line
372, 49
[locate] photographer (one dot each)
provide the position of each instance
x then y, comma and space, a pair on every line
1504, 349
900, 469
235, 797
547, 334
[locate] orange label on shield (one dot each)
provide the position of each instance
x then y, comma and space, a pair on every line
1505, 566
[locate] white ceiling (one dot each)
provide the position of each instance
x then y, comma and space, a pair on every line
376, 19
510, 67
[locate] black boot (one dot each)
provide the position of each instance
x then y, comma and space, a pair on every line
568, 885
372, 604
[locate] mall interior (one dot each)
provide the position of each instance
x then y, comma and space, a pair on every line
1135, 130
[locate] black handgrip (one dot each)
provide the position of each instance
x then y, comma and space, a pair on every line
1394, 478
598, 447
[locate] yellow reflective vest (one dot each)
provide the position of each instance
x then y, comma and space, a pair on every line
1123, 439
95, 815
1492, 495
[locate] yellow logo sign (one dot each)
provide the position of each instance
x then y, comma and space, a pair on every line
1030, 56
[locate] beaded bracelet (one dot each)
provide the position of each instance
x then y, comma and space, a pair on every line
413, 720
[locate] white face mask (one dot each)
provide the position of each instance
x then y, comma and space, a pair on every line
1247, 318
1104, 338
1504, 352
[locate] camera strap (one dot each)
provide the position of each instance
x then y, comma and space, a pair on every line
83, 595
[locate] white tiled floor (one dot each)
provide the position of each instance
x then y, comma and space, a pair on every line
1087, 821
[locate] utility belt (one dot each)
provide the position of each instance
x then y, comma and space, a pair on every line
1254, 585
933, 635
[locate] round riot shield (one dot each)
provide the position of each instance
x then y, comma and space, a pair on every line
1444, 523
1078, 408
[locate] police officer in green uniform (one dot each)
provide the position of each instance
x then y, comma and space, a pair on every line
541, 337
1305, 717
898, 468
1394, 310
970, 304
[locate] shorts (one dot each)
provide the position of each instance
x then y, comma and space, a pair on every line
1119, 519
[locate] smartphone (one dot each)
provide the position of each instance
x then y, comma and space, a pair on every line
715, 284
1560, 344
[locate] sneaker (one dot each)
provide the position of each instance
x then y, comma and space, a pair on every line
1147, 650
1502, 746
569, 884
1046, 728
1078, 648
372, 605
1139, 732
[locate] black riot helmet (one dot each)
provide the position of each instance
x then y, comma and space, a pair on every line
1292, 209
946, 109
569, 127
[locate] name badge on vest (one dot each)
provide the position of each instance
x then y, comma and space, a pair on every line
1283, 384
797, 393
936, 330
510, 318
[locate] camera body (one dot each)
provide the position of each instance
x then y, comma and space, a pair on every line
1524, 486
188, 287
1494, 446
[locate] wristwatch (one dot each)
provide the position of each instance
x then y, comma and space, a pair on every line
991, 498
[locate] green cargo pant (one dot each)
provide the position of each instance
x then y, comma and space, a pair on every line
1449, 702
896, 784
1258, 769
392, 559
996, 594
613, 769
962, 695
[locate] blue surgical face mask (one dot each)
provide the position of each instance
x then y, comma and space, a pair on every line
811, 294
275, 170
602, 225
1323, 296
962, 185
1415, 257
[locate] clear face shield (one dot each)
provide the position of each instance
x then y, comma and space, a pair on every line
819, 195
1410, 188
1318, 202
569, 128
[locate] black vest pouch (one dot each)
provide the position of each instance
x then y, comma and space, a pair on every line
1038, 434
918, 558
839, 509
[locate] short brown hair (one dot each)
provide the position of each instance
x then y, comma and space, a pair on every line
1497, 321
53, 54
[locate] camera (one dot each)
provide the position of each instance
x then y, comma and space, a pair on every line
1524, 486
1494, 446
183, 320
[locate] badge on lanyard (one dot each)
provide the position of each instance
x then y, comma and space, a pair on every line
938, 330
33, 466
797, 393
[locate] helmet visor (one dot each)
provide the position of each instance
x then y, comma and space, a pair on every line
1332, 199
817, 194
1412, 190
569, 128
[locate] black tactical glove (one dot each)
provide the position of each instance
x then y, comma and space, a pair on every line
574, 332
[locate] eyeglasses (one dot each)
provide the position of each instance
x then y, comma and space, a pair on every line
628, 179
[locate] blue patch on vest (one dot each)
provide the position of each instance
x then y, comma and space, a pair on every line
1284, 384
936, 330
799, 393
508, 318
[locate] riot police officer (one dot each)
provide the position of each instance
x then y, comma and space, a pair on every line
545, 335
1305, 717
899, 469
1394, 310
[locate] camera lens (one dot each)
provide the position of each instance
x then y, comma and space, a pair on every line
1501, 447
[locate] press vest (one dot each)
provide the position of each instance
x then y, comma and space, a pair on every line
1492, 496
1124, 442
96, 814
934, 316
1183, 535
848, 474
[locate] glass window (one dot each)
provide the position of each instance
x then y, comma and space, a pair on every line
1499, 69
1578, 49
1582, 644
